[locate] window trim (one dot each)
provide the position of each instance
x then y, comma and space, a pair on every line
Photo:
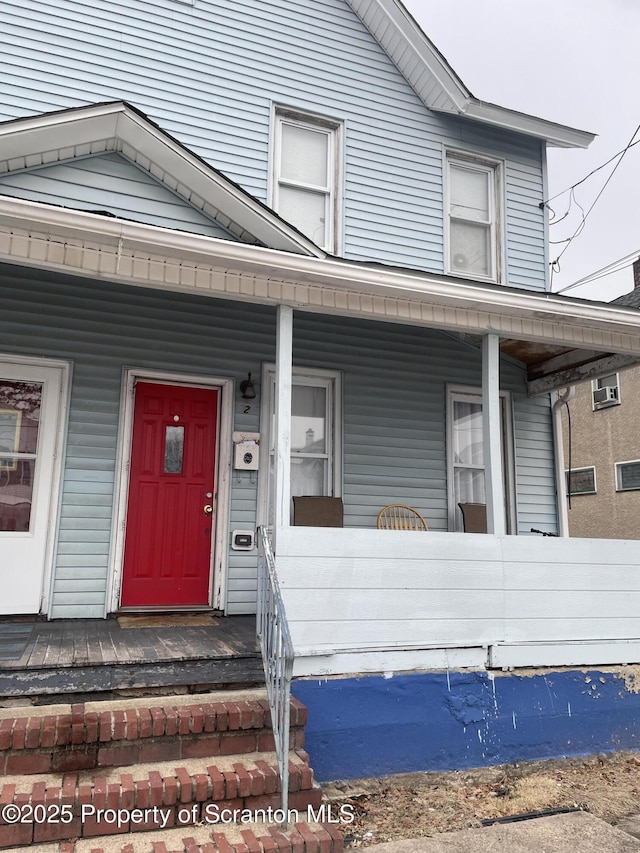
607, 404
313, 376
617, 467
492, 167
460, 392
334, 129
568, 471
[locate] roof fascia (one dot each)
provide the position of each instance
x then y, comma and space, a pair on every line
422, 65
556, 135
45, 236
53, 137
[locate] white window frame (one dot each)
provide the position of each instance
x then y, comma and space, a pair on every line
332, 190
618, 466
331, 380
596, 386
494, 169
577, 471
472, 394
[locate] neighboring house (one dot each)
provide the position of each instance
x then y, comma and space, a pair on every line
601, 429
192, 192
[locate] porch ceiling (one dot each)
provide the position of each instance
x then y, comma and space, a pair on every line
552, 367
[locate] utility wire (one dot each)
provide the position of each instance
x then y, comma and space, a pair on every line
555, 265
592, 172
609, 269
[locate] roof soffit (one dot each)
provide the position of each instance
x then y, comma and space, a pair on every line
117, 127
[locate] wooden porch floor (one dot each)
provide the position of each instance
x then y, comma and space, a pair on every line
85, 656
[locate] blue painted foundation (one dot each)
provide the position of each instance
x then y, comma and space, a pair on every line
374, 725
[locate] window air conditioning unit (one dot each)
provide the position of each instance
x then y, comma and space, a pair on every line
602, 396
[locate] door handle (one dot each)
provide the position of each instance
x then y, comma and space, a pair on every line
207, 509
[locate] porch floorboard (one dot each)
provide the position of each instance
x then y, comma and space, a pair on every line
73, 656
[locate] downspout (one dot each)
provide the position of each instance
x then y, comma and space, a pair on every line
563, 397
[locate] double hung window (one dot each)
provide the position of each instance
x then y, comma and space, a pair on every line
315, 434
306, 176
473, 218
466, 469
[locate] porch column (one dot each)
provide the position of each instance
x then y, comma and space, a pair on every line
284, 358
491, 417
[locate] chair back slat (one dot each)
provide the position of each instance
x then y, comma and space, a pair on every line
400, 517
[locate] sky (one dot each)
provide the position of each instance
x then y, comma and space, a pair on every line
576, 62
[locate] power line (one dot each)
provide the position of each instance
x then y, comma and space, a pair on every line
592, 172
603, 272
555, 265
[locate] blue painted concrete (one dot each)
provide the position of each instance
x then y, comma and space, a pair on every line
374, 725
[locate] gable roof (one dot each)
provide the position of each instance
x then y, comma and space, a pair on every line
437, 84
119, 127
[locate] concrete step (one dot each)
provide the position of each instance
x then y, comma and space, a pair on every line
92, 735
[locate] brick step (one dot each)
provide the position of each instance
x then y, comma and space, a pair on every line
80, 805
300, 837
84, 736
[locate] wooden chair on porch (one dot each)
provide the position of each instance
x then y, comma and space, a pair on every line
400, 517
474, 517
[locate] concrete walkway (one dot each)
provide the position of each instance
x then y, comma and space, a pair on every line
577, 832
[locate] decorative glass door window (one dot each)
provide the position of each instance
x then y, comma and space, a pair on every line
20, 404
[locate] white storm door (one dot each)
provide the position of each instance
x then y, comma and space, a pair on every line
30, 415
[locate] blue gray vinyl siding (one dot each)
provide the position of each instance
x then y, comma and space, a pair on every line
110, 183
394, 377
210, 74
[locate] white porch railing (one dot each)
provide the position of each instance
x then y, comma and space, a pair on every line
384, 600
277, 657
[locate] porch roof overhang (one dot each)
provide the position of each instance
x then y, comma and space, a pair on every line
560, 340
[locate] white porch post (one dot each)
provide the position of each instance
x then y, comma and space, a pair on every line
491, 417
284, 358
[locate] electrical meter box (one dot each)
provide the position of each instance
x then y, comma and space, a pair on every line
246, 455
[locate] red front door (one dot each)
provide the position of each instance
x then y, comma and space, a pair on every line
170, 519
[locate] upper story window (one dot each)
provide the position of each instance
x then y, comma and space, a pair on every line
307, 175
473, 217
605, 391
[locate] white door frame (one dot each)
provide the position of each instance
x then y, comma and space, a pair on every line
219, 550
48, 480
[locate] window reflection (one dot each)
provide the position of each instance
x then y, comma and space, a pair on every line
20, 404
